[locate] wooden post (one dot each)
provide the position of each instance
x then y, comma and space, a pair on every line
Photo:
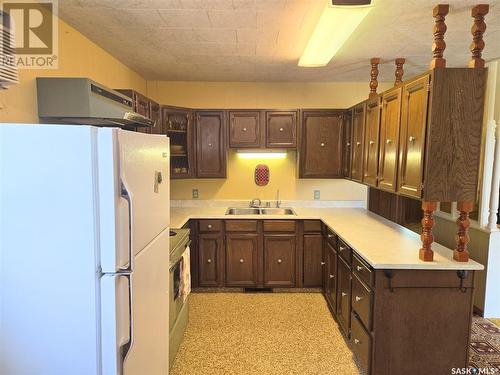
461, 254
478, 12
439, 13
399, 71
426, 254
373, 76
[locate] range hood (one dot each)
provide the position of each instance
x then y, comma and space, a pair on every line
85, 102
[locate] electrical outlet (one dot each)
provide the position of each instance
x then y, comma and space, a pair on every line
316, 194
195, 193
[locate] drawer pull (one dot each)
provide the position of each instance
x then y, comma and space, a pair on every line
281, 129
372, 143
209, 260
209, 226
411, 139
331, 235
332, 276
344, 294
348, 144
323, 263
244, 129
279, 261
358, 298
322, 144
241, 260
342, 248
357, 342
358, 144
388, 141
360, 268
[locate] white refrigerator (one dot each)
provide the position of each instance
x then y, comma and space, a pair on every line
84, 256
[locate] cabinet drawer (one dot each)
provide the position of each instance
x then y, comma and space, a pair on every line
241, 225
279, 226
361, 301
312, 226
361, 343
344, 251
210, 225
331, 237
362, 270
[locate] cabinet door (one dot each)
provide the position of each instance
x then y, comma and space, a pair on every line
279, 261
321, 145
358, 127
389, 139
313, 259
242, 260
210, 146
415, 99
141, 104
344, 295
244, 129
332, 275
211, 260
155, 115
370, 167
281, 129
347, 158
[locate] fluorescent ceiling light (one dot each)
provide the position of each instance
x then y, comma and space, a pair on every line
261, 154
334, 27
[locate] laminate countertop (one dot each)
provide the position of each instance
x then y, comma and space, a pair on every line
382, 243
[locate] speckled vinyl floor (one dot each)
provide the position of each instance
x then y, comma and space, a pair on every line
265, 334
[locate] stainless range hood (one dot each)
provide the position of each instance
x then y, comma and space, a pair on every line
86, 102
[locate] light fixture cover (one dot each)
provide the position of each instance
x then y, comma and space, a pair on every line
334, 27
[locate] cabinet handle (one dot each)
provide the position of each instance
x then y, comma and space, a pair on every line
357, 342
411, 139
359, 268
372, 143
358, 144
209, 260
209, 226
281, 129
209, 145
323, 263
342, 248
322, 144
388, 141
279, 261
344, 294
244, 129
348, 144
332, 276
241, 260
358, 298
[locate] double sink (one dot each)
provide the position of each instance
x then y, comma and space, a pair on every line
260, 211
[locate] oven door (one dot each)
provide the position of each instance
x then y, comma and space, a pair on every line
176, 300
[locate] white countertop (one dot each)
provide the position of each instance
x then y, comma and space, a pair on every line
380, 242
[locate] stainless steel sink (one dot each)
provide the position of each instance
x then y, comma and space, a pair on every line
259, 211
277, 211
243, 211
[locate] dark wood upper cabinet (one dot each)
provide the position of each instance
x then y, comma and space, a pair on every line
155, 115
321, 144
210, 144
279, 260
440, 142
141, 105
389, 139
242, 260
371, 142
358, 128
177, 124
281, 129
244, 129
347, 158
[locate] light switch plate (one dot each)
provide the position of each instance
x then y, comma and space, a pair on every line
195, 193
316, 194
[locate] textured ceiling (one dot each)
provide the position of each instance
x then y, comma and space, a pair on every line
262, 40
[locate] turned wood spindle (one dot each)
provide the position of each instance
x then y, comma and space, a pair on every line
373, 76
399, 71
478, 12
426, 254
439, 13
461, 254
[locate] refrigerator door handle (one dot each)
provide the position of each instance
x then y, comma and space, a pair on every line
125, 347
125, 194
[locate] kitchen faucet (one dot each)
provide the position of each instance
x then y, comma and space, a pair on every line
255, 203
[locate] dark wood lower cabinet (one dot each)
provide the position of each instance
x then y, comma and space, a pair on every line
211, 259
313, 259
331, 276
344, 295
242, 260
279, 260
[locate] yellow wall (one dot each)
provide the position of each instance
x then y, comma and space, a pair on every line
240, 183
78, 57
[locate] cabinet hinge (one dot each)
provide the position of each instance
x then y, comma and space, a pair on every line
429, 86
